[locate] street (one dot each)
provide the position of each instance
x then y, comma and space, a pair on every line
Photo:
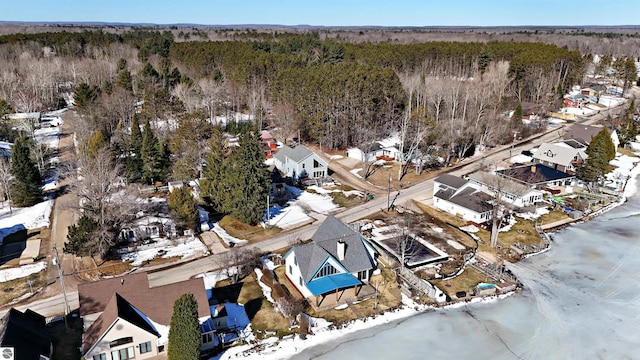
50, 301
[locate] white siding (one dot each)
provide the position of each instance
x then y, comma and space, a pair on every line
123, 329
293, 272
457, 210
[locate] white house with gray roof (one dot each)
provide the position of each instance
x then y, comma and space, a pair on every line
560, 156
337, 259
300, 162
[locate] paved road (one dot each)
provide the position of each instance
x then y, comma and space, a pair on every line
421, 192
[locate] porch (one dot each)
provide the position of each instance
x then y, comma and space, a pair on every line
342, 296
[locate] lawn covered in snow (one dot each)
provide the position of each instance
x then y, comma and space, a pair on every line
165, 248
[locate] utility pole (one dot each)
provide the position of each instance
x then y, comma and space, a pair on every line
375, 301
389, 193
268, 211
56, 262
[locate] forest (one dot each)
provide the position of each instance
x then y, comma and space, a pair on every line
147, 101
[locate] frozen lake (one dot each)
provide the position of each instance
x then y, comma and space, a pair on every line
581, 301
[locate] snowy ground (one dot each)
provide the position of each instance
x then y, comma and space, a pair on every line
38, 215
228, 239
296, 212
22, 271
165, 248
624, 166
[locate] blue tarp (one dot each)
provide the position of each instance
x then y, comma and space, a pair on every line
331, 283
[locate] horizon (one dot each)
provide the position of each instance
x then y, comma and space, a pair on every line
331, 13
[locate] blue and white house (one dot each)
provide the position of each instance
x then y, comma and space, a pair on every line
337, 259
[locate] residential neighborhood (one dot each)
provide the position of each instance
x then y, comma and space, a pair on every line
156, 204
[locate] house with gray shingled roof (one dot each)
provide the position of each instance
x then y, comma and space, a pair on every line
336, 260
459, 197
300, 162
560, 156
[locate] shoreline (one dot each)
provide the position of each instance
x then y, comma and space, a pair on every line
287, 348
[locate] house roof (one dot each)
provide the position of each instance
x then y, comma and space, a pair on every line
116, 308
468, 198
582, 133
155, 302
455, 182
504, 184
332, 230
26, 332
310, 257
266, 136
296, 154
558, 154
542, 174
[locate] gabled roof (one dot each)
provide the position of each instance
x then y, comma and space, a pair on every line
117, 307
468, 198
503, 184
296, 154
558, 154
324, 246
356, 256
26, 332
156, 302
582, 133
452, 181
541, 174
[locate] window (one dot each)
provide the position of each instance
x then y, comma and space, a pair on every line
316, 164
145, 347
290, 269
303, 166
301, 283
123, 354
121, 341
362, 275
207, 338
327, 269
102, 356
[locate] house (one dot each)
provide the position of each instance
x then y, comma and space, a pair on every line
575, 100
460, 198
584, 134
336, 260
124, 318
300, 162
538, 175
5, 150
560, 156
268, 143
378, 150
27, 334
595, 90
513, 192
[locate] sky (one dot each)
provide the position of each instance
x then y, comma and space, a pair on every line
328, 12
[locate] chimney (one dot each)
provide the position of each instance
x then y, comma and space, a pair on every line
533, 168
342, 246
121, 281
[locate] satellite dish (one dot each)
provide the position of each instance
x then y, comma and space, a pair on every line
7, 353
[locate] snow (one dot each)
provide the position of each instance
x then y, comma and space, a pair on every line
470, 229
166, 248
22, 271
297, 210
228, 239
520, 159
288, 217
266, 290
211, 278
163, 331
32, 217
322, 333
335, 157
512, 221
356, 173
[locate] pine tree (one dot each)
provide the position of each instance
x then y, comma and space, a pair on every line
184, 205
516, 118
184, 332
124, 80
246, 181
80, 237
601, 150
26, 187
84, 95
151, 157
211, 187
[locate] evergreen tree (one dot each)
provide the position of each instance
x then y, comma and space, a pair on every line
134, 157
184, 332
96, 142
26, 187
150, 156
184, 205
80, 238
601, 150
124, 80
516, 118
84, 95
211, 187
246, 181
